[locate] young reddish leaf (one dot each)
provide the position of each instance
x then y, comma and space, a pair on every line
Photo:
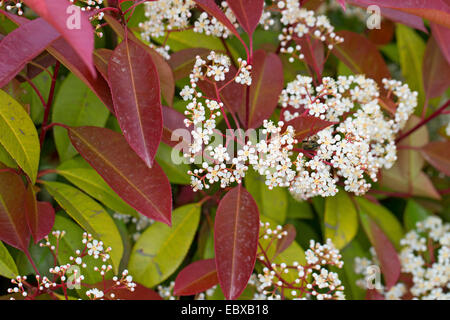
313, 51
195, 278
361, 56
383, 35
287, 240
342, 3
306, 126
388, 257
437, 153
165, 73
436, 11
134, 83
442, 36
140, 292
23, 45
373, 294
172, 121
101, 59
248, 13
236, 240
13, 223
183, 61
436, 70
145, 189
40, 215
267, 84
72, 23
212, 9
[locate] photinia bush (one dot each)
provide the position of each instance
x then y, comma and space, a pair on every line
257, 149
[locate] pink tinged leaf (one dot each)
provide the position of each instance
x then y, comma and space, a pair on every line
23, 45
174, 130
195, 278
313, 50
247, 12
388, 257
373, 294
266, 87
183, 61
72, 23
436, 70
437, 153
287, 240
342, 3
306, 126
101, 59
13, 223
361, 56
145, 189
40, 215
236, 240
442, 36
134, 83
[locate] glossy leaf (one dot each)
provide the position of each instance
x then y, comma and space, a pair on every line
414, 213
437, 153
13, 223
81, 174
442, 36
23, 45
197, 277
313, 51
341, 220
75, 105
73, 25
176, 171
436, 71
172, 121
8, 268
145, 189
137, 99
266, 87
91, 216
306, 126
161, 249
235, 240
183, 61
18, 135
101, 59
248, 13
40, 215
386, 254
361, 56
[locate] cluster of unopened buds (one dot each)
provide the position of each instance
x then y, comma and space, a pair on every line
69, 276
425, 257
310, 280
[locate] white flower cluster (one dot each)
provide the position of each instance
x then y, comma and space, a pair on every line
425, 256
139, 223
313, 279
361, 141
299, 22
124, 282
350, 11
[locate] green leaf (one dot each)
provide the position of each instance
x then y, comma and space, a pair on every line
8, 267
18, 135
341, 219
383, 218
177, 173
411, 49
161, 249
42, 82
298, 209
414, 213
90, 215
81, 174
75, 105
6, 159
271, 203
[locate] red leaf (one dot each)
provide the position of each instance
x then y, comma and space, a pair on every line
101, 59
437, 153
373, 294
442, 36
195, 278
23, 45
40, 215
136, 94
287, 240
388, 257
342, 3
183, 61
64, 19
140, 292
173, 120
248, 13
436, 71
436, 11
13, 223
212, 9
306, 126
361, 56
236, 240
313, 51
267, 84
383, 35
145, 189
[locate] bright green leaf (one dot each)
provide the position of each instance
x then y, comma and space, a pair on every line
8, 267
177, 173
414, 213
